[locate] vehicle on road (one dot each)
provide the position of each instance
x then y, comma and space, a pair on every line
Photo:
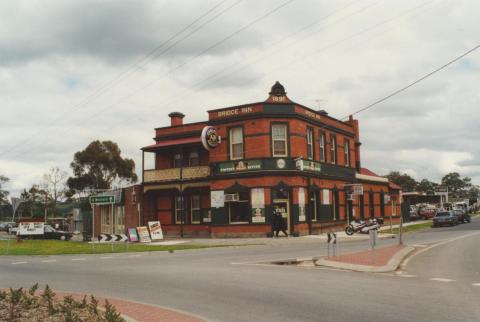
426, 211
49, 233
5, 226
463, 216
362, 226
413, 214
445, 218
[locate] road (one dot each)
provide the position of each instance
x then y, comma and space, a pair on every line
441, 282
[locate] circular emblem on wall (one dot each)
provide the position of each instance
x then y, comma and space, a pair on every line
210, 138
281, 163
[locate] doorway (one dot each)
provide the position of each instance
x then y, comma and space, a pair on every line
283, 206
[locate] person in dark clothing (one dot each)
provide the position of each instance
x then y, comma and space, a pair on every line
278, 223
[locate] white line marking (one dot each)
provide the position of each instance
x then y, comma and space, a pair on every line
130, 256
18, 263
78, 259
408, 275
476, 284
49, 261
445, 280
107, 257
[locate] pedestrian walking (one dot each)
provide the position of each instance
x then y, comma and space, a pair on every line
278, 223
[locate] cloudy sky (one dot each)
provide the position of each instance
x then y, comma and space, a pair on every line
75, 71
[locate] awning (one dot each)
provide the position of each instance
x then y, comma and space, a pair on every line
169, 143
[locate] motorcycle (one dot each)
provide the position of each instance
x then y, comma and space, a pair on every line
362, 226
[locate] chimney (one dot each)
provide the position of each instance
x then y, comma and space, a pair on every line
356, 131
176, 118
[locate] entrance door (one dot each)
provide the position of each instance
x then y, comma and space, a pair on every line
283, 205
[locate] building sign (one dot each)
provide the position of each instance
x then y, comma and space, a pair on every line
132, 235
441, 189
217, 199
143, 234
210, 138
306, 165
312, 115
258, 205
155, 230
240, 166
301, 204
30, 228
235, 112
102, 200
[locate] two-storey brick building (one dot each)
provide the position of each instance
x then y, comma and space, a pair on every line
273, 155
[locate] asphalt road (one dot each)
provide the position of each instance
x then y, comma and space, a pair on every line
440, 283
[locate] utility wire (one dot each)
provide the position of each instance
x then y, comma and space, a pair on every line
415, 82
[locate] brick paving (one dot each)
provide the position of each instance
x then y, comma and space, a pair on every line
378, 257
141, 312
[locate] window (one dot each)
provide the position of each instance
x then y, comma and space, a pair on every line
372, 204
279, 140
333, 149
177, 160
239, 211
322, 147
346, 148
195, 209
179, 209
310, 144
236, 143
313, 205
193, 159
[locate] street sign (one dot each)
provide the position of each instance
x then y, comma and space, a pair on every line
332, 238
102, 200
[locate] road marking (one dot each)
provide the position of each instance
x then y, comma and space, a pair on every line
476, 284
130, 256
444, 280
106, 257
18, 263
408, 275
78, 259
49, 261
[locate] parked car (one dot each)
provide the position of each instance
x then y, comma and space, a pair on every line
445, 218
414, 213
5, 226
427, 211
463, 216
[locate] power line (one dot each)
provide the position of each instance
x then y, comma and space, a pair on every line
133, 67
414, 82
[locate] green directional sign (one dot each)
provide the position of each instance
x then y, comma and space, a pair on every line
102, 200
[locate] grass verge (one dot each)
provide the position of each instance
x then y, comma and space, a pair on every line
57, 247
406, 229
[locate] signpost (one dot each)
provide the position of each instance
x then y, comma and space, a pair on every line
102, 200
442, 191
332, 242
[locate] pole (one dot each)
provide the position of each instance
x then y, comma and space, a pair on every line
181, 194
113, 224
400, 240
391, 214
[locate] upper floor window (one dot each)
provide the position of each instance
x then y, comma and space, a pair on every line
310, 144
177, 160
193, 159
236, 143
333, 149
322, 147
179, 209
346, 148
279, 140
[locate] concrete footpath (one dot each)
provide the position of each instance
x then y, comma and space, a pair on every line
379, 260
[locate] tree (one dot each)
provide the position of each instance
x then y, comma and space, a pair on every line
54, 184
457, 186
99, 166
35, 201
426, 186
474, 192
403, 180
3, 193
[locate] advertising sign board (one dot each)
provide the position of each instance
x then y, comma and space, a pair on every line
143, 234
258, 205
155, 228
132, 235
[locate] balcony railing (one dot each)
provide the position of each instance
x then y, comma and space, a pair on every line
188, 173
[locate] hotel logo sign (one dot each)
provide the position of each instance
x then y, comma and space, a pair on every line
210, 138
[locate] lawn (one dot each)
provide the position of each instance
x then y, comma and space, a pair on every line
57, 247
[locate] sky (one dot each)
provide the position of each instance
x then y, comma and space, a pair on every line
75, 71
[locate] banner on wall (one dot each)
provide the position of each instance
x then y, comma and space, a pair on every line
155, 228
326, 197
258, 205
301, 204
143, 234
217, 199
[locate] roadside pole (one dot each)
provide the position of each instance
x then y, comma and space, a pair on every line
372, 233
400, 240
93, 227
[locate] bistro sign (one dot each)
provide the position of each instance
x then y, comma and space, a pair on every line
210, 138
240, 166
